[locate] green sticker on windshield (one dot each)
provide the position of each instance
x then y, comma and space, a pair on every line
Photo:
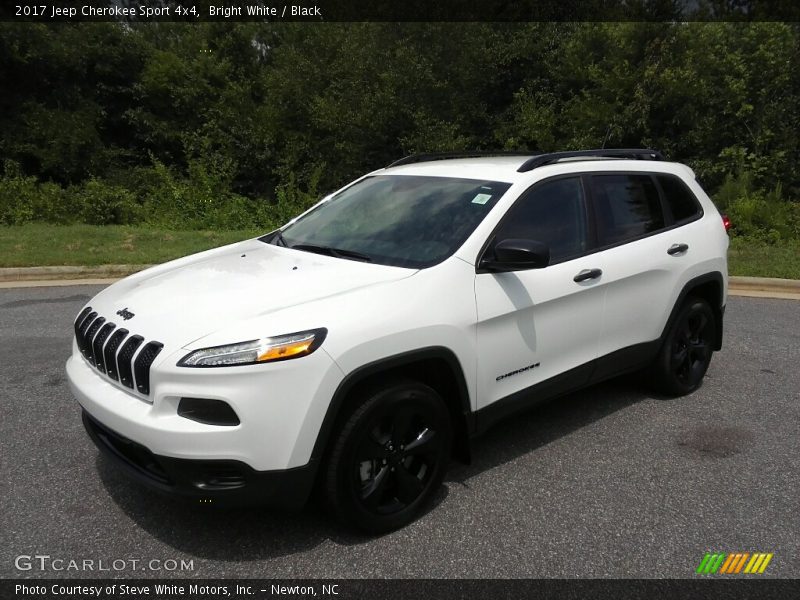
481, 198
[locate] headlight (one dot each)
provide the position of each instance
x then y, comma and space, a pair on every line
271, 349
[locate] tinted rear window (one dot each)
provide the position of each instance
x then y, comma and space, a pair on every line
627, 207
680, 199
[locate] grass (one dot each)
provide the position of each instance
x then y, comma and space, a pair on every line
41, 244
754, 259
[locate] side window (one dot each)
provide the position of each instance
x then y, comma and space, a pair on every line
627, 207
552, 212
680, 199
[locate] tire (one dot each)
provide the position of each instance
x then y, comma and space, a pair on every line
389, 457
686, 352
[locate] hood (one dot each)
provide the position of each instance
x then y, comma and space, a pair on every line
179, 302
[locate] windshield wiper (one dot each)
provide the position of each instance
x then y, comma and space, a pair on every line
335, 252
275, 238
279, 241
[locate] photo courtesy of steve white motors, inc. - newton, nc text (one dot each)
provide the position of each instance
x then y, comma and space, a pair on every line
399, 299
178, 590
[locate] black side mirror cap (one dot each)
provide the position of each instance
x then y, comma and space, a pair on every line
517, 255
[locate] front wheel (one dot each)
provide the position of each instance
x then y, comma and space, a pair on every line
389, 457
685, 355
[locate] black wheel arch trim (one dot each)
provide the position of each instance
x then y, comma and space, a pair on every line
360, 374
717, 307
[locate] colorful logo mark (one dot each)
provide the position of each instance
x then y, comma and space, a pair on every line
727, 563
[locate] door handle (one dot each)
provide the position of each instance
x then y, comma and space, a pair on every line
587, 274
677, 249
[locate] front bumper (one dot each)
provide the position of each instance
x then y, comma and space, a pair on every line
280, 408
214, 482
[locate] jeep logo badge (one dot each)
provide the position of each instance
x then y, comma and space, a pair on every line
125, 313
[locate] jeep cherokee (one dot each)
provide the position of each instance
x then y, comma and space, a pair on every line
359, 347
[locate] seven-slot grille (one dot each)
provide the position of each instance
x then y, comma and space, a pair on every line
122, 357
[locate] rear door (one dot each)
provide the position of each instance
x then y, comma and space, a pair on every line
641, 251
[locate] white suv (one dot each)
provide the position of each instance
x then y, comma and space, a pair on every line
363, 344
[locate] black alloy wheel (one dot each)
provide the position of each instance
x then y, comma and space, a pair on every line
691, 350
390, 456
686, 353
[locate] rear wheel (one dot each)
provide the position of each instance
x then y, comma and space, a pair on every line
685, 355
389, 457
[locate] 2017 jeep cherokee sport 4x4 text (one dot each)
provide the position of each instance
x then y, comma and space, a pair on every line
363, 344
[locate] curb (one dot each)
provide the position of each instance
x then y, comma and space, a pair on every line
37, 274
764, 287
760, 287
764, 284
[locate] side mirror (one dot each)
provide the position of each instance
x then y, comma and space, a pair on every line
517, 255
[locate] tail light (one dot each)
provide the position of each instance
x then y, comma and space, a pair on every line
726, 222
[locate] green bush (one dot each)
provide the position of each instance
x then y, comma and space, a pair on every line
99, 203
23, 199
201, 201
16, 198
165, 200
765, 216
292, 199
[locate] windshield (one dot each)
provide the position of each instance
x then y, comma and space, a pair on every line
398, 220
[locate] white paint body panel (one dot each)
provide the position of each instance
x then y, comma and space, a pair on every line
531, 317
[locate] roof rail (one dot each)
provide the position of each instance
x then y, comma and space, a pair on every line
430, 156
547, 159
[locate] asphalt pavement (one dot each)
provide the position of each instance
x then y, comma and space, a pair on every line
608, 482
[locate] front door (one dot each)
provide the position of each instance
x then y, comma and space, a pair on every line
537, 324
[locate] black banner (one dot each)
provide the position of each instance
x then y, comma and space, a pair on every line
193, 11
350, 589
